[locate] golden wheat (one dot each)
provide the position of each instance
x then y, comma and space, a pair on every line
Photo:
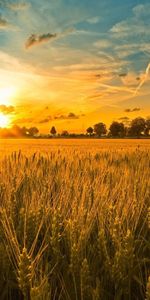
75, 224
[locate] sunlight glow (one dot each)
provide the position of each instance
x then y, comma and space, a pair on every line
4, 121
6, 95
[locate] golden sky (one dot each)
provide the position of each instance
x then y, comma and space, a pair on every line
73, 63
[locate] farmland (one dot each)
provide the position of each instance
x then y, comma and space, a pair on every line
75, 219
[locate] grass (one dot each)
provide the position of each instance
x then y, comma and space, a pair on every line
75, 224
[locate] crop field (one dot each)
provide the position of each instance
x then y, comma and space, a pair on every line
75, 219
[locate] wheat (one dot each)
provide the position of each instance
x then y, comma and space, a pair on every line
74, 223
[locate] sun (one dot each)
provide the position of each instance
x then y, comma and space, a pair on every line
4, 121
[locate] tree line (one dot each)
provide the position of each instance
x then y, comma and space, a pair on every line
138, 127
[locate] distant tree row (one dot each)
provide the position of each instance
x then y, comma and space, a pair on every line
138, 127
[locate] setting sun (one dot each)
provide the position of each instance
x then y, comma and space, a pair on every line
4, 121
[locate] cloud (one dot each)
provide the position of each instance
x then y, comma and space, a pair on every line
3, 23
71, 116
136, 109
125, 120
123, 75
7, 109
138, 78
94, 20
137, 24
103, 43
145, 77
18, 6
35, 39
46, 120
129, 79
10, 62
141, 10
129, 110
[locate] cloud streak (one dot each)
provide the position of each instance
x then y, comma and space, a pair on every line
70, 116
6, 110
145, 78
129, 110
46, 120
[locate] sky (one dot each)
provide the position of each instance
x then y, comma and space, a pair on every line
73, 63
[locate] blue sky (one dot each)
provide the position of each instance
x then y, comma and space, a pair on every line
89, 58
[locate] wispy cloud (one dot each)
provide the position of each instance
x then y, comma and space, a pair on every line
130, 79
18, 6
125, 120
6, 110
94, 20
35, 39
134, 25
71, 116
141, 10
123, 75
3, 23
103, 44
129, 110
46, 120
144, 79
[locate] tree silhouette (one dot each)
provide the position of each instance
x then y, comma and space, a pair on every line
100, 129
90, 130
147, 129
117, 129
138, 126
53, 131
33, 131
65, 133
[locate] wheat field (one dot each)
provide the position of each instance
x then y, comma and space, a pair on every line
75, 220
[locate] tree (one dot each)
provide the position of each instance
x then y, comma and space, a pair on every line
33, 131
100, 129
53, 131
138, 126
25, 131
147, 129
117, 129
65, 133
90, 130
